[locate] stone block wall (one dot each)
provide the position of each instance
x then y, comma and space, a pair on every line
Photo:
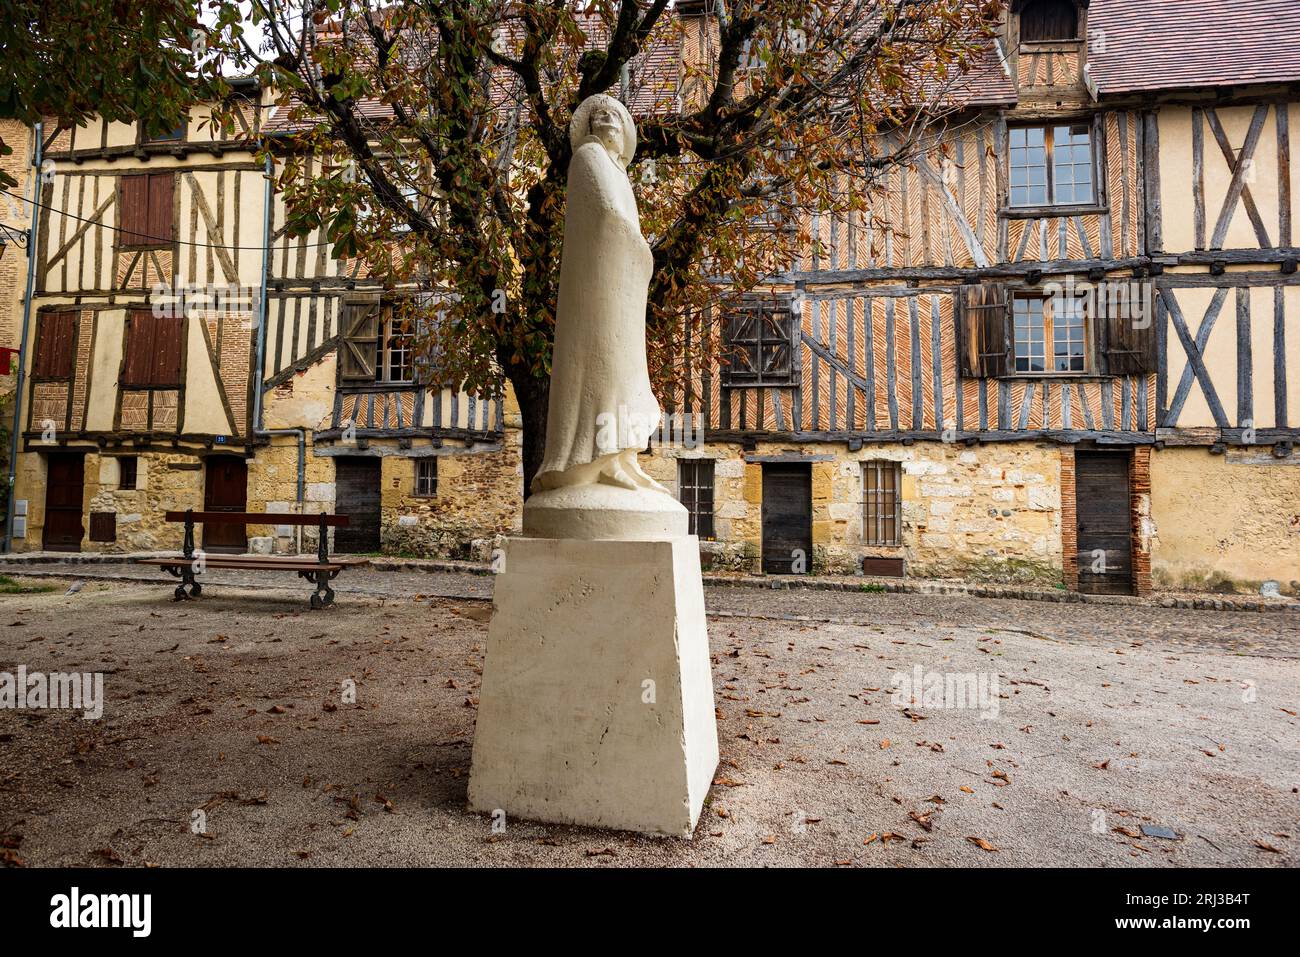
164, 481
478, 501
987, 513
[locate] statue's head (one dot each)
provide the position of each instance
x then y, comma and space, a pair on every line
607, 120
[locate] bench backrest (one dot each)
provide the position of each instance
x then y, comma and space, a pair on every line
258, 518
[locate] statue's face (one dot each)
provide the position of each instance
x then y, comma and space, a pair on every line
607, 127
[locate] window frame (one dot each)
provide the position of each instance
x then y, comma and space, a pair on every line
1078, 24
874, 526
1051, 207
419, 489
1049, 337
176, 135
384, 350
765, 316
696, 523
123, 461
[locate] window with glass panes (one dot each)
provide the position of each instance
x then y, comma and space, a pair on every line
394, 352
1051, 165
695, 491
882, 502
1058, 321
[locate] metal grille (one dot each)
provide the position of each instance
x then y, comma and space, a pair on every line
695, 490
882, 503
426, 477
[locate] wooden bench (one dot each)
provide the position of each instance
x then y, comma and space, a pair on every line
191, 563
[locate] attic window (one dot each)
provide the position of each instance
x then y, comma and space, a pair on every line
1048, 20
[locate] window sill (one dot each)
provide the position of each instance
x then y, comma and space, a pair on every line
1055, 376
1052, 212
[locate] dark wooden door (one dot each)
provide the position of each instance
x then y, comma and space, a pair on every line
1105, 528
225, 490
787, 518
356, 491
65, 482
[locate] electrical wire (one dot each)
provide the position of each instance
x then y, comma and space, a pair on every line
118, 229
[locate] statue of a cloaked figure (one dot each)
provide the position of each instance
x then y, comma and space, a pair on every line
602, 410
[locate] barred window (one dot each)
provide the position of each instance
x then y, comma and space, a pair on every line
882, 502
426, 477
695, 490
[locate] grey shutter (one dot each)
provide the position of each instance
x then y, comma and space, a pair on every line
361, 320
1124, 324
986, 331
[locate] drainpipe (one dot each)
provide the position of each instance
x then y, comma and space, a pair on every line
22, 346
258, 431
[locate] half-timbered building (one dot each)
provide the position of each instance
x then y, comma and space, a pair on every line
185, 352
1061, 348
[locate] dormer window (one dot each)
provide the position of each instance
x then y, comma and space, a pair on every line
1048, 20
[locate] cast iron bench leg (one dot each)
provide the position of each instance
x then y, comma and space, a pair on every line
324, 595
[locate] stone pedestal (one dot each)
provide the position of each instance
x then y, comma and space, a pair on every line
597, 700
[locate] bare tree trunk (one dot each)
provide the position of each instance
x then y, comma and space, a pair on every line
533, 396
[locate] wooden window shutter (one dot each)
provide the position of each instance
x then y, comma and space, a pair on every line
153, 350
161, 189
134, 214
138, 361
1124, 327
103, 526
986, 331
54, 348
361, 321
146, 216
167, 350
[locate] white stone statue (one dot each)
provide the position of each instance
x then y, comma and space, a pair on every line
602, 410
599, 376
603, 592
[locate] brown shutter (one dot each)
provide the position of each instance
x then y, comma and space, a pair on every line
103, 526
54, 348
986, 331
1124, 324
146, 218
167, 350
134, 214
361, 319
161, 186
137, 365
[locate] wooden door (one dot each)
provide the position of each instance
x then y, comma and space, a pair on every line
1105, 528
65, 482
787, 518
356, 490
225, 490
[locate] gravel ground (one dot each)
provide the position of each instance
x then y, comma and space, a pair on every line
1108, 718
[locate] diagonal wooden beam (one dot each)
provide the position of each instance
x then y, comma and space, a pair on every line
82, 230
222, 254
1239, 165
957, 214
1195, 363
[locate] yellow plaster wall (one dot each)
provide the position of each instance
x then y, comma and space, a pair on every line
1225, 522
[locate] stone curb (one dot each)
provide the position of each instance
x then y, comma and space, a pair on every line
893, 586
845, 584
